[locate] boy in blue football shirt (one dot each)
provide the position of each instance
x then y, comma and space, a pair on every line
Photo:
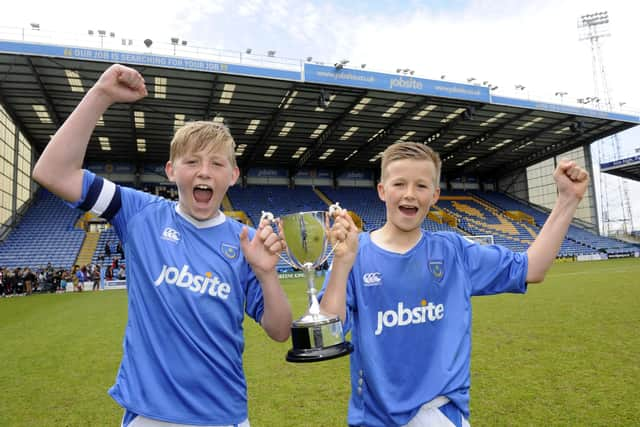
192, 273
405, 293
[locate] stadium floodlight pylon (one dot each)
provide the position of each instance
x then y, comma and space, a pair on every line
593, 27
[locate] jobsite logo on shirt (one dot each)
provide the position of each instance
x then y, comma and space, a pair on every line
425, 312
196, 283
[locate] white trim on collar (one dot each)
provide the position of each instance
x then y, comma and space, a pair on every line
212, 222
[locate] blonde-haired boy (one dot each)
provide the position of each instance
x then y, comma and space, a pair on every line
192, 273
405, 293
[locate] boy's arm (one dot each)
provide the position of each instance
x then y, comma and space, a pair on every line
262, 254
344, 239
59, 168
572, 183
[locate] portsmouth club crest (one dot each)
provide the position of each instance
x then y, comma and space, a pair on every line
437, 270
228, 250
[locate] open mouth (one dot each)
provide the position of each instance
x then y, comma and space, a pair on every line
202, 193
408, 210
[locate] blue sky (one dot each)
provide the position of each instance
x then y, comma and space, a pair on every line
505, 42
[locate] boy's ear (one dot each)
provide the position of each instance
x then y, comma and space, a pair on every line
436, 196
381, 194
168, 169
234, 176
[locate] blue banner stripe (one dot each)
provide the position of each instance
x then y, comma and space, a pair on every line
145, 59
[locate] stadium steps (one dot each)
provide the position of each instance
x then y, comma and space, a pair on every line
322, 196
88, 248
226, 203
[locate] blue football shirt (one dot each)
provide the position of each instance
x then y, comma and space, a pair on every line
188, 287
410, 321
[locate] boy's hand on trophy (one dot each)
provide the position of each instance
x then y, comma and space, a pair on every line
344, 237
261, 251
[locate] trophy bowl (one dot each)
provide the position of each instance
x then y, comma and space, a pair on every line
316, 335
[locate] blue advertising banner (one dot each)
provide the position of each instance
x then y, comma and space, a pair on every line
98, 168
313, 173
392, 82
323, 173
155, 168
622, 162
357, 175
123, 168
268, 172
566, 109
145, 59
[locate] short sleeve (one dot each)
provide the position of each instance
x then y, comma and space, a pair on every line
493, 269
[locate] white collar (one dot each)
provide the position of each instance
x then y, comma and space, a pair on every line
211, 222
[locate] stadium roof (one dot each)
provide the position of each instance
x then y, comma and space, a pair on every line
305, 116
624, 168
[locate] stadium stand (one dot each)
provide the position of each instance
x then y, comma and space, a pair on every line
277, 199
578, 242
45, 234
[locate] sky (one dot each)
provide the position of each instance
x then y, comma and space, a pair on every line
506, 42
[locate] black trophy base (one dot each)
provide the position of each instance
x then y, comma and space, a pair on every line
296, 355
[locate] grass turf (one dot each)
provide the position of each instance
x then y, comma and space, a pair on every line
566, 354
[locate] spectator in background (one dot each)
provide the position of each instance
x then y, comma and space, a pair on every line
95, 277
8, 280
18, 284
56, 281
77, 278
107, 250
67, 277
2, 288
119, 250
108, 274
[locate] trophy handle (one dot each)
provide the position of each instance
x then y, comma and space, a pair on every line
334, 210
275, 222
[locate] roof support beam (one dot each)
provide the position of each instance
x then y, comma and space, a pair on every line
45, 95
495, 153
326, 134
370, 144
273, 120
457, 150
560, 147
207, 112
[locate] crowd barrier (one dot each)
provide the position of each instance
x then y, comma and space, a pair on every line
110, 285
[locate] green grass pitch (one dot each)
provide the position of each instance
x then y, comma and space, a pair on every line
565, 354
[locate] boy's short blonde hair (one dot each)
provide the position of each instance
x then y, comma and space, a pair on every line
412, 151
203, 135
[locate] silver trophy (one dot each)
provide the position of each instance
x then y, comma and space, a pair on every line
316, 336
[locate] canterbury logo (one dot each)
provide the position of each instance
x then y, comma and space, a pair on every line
372, 279
171, 235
